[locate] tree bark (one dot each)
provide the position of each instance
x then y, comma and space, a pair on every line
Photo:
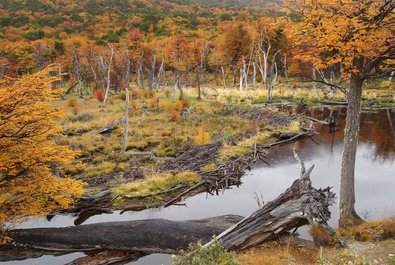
197, 77
348, 216
299, 205
154, 235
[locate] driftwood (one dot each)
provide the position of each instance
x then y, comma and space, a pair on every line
299, 205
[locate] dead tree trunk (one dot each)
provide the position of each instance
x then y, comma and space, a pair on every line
197, 77
155, 235
348, 216
223, 77
126, 84
106, 67
299, 205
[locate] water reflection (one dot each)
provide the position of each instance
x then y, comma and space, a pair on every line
375, 177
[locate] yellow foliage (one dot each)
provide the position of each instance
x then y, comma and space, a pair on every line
351, 33
203, 137
29, 155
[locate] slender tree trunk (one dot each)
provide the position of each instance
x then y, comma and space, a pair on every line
197, 76
314, 76
254, 76
234, 74
348, 216
285, 68
241, 80
125, 137
223, 77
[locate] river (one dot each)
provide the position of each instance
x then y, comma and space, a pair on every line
375, 181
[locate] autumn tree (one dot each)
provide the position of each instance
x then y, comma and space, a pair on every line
237, 43
30, 159
359, 38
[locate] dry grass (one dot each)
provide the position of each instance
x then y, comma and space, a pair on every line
371, 231
157, 183
275, 254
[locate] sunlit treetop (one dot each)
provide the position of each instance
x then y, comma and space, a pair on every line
358, 34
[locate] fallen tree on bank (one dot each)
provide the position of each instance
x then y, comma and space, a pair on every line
299, 205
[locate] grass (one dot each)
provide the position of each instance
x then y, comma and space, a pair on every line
245, 147
212, 255
371, 231
156, 183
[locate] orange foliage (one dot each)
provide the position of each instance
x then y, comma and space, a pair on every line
100, 95
174, 115
29, 154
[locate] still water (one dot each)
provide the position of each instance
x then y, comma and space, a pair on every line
375, 181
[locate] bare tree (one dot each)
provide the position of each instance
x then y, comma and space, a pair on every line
223, 77
106, 66
160, 72
90, 56
125, 81
272, 78
263, 52
77, 72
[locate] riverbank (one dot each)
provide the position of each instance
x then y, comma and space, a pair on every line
209, 133
225, 126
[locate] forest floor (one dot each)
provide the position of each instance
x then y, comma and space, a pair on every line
162, 128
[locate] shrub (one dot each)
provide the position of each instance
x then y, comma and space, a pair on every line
84, 117
184, 103
320, 236
153, 102
134, 94
198, 255
122, 96
174, 115
387, 85
203, 137
111, 100
167, 93
100, 95
134, 104
75, 110
72, 102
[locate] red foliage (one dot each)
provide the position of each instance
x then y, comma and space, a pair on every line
100, 95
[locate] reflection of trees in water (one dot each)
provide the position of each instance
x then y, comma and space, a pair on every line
376, 130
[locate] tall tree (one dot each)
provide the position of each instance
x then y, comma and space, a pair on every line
360, 37
30, 157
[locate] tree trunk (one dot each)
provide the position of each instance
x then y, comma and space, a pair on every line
348, 216
197, 77
299, 205
223, 77
153, 235
125, 137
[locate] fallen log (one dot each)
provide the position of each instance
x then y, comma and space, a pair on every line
332, 103
109, 128
299, 205
152, 236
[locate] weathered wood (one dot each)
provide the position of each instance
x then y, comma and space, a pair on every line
299, 205
154, 236
109, 128
332, 103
